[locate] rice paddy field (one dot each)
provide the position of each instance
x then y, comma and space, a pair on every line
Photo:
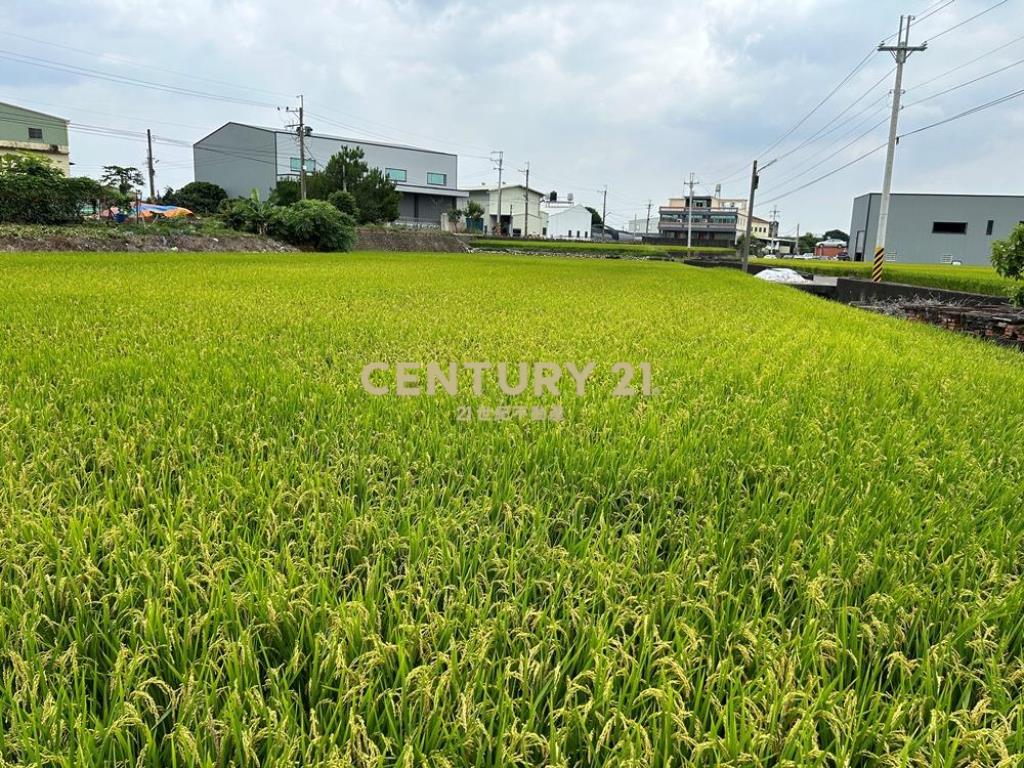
969, 278
584, 248
804, 548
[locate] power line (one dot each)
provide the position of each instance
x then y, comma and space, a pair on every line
966, 21
927, 14
968, 63
824, 160
922, 129
965, 84
833, 172
142, 65
820, 104
920, 101
931, 10
854, 103
967, 113
37, 61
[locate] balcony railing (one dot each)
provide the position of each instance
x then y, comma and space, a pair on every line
677, 226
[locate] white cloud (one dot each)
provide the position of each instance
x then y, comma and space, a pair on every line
633, 95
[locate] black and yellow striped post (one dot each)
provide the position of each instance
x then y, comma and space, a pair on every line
876, 269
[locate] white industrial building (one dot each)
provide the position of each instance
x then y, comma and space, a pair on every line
935, 228
520, 214
566, 219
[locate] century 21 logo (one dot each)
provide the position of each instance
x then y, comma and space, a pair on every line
433, 378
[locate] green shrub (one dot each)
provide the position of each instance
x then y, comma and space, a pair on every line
313, 224
39, 200
246, 214
286, 192
32, 191
1008, 260
198, 196
344, 202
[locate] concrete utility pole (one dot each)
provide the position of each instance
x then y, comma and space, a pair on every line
901, 52
526, 201
649, 204
689, 212
773, 231
149, 162
501, 167
754, 180
796, 243
301, 130
604, 213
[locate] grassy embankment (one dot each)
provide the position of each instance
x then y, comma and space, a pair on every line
972, 279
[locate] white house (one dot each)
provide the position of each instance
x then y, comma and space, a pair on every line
516, 200
567, 220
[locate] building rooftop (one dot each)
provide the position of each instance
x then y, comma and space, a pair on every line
318, 135
33, 111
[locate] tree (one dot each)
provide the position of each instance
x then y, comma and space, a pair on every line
343, 171
1008, 260
344, 202
286, 192
808, 242
198, 197
837, 234
756, 246
32, 191
595, 218
377, 198
475, 215
124, 178
18, 164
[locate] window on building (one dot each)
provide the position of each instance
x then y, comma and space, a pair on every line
990, 227
296, 164
949, 227
35, 133
437, 179
396, 174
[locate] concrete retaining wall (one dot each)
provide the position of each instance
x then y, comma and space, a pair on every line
851, 290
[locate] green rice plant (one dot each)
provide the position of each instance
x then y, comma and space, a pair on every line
217, 549
637, 250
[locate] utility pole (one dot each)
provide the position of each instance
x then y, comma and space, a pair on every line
773, 231
796, 243
500, 166
649, 204
901, 52
526, 201
689, 212
302, 131
754, 180
604, 213
152, 170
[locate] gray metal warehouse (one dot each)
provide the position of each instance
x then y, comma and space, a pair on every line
935, 228
241, 158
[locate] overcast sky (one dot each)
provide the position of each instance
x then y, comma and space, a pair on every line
635, 95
